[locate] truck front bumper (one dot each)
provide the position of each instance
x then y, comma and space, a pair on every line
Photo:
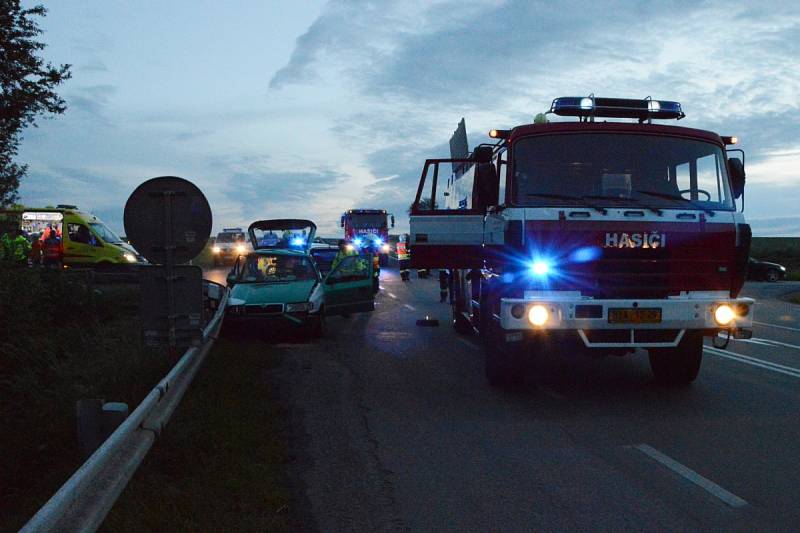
590, 318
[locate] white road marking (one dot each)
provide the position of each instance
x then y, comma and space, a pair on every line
775, 326
768, 342
465, 341
391, 295
689, 474
775, 367
410, 307
763, 342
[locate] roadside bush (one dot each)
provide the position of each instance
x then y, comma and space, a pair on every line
61, 340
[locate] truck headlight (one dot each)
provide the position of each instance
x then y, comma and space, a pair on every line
724, 314
241, 249
538, 315
129, 257
215, 249
385, 248
297, 308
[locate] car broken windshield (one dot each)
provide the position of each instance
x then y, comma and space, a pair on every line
260, 268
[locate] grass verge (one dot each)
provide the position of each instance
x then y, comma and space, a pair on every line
220, 463
61, 340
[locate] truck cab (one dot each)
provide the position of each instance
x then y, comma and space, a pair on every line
368, 230
598, 236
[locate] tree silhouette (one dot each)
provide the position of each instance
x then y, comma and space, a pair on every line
425, 204
27, 88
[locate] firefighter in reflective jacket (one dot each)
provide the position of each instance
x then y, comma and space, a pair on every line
403, 257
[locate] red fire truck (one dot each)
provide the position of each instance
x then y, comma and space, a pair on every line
590, 236
368, 229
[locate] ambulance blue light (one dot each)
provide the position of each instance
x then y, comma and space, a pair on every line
358, 241
378, 242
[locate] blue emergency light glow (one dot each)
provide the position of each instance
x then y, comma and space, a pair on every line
378, 242
540, 268
358, 241
297, 241
591, 106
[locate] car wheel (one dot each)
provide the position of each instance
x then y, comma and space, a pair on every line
679, 365
319, 326
773, 276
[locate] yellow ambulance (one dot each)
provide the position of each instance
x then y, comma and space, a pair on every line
86, 240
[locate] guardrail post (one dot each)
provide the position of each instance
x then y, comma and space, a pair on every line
114, 414
90, 432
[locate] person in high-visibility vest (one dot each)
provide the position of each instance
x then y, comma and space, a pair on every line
403, 257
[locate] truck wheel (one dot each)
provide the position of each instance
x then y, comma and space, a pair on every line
772, 276
460, 323
503, 364
679, 365
318, 325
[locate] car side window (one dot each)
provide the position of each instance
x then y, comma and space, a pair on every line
352, 268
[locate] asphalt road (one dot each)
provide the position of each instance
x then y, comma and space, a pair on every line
394, 427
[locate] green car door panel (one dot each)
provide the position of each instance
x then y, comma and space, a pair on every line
348, 287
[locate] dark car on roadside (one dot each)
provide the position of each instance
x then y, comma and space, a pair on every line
765, 271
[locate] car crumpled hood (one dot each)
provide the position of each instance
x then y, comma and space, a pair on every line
261, 293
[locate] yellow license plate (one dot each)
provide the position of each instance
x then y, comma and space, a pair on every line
634, 315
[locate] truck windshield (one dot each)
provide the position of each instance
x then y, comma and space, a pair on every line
230, 237
102, 231
368, 221
620, 169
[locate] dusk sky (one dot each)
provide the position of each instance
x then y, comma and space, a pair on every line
304, 109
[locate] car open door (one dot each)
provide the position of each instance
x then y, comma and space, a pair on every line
348, 287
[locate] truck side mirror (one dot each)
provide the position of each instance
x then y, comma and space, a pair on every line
231, 279
737, 176
392, 220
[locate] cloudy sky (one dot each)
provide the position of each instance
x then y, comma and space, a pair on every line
307, 108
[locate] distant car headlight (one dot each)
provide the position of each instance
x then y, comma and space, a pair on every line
216, 249
129, 257
241, 248
783, 268
298, 307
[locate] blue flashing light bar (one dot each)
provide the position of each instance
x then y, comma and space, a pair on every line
591, 106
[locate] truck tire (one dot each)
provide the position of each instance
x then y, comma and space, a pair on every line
679, 365
503, 364
461, 324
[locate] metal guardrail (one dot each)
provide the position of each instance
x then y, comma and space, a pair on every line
82, 503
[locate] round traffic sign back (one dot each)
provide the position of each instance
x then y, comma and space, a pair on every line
168, 214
